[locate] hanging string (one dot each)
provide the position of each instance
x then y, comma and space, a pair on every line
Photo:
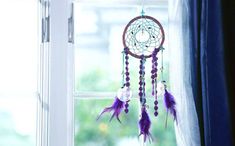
142, 11
126, 74
123, 68
154, 80
142, 94
142, 63
162, 76
142, 5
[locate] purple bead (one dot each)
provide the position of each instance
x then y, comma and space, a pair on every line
127, 84
152, 93
126, 105
127, 73
153, 81
127, 79
155, 75
152, 76
140, 83
155, 102
140, 94
126, 110
126, 62
126, 57
140, 88
155, 107
155, 114
127, 68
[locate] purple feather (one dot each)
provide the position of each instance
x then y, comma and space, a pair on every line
117, 108
144, 125
170, 104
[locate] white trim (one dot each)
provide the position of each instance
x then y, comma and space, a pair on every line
60, 77
104, 95
70, 89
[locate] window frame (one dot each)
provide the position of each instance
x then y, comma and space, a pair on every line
56, 79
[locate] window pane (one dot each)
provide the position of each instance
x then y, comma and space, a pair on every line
98, 67
18, 61
89, 132
17, 125
98, 43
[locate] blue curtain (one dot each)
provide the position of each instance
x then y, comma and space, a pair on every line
212, 47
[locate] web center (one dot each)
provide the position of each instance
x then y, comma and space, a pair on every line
142, 36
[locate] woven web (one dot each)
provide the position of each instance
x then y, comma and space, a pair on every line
151, 39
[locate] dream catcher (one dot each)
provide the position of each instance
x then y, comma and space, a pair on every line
143, 39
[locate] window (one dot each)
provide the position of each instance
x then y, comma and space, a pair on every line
98, 29
18, 76
98, 66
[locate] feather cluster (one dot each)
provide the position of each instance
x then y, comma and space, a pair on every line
117, 108
123, 96
170, 104
144, 125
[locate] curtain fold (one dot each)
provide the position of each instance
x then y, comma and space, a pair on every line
228, 8
202, 70
210, 67
187, 130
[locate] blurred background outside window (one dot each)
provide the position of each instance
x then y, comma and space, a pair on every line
98, 66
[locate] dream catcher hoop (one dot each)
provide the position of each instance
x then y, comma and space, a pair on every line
143, 38
142, 35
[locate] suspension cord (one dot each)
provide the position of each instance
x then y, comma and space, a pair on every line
123, 67
162, 76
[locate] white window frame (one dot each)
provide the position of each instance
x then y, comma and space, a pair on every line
56, 79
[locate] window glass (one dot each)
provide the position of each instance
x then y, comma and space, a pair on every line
18, 77
98, 43
89, 132
98, 68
